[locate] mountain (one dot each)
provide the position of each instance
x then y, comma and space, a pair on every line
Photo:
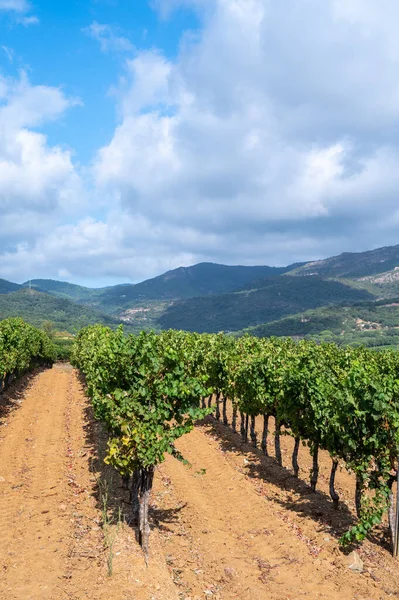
214, 297
203, 279
6, 287
265, 301
62, 289
140, 305
353, 264
374, 324
36, 307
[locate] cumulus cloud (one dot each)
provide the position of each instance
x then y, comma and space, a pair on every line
276, 119
272, 137
38, 183
108, 38
97, 252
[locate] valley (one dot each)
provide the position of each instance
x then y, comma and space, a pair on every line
344, 299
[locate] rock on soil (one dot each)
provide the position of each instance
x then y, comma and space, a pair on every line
354, 562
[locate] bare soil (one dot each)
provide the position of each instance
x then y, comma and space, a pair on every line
231, 524
53, 540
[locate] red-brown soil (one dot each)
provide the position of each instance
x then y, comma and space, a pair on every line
230, 525
51, 529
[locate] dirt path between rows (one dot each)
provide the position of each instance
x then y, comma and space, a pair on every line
231, 525
52, 542
242, 540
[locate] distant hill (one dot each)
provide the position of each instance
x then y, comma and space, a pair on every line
6, 287
62, 289
374, 324
353, 264
203, 279
36, 307
214, 297
138, 305
384, 285
268, 300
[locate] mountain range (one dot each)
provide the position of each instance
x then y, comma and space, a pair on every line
323, 298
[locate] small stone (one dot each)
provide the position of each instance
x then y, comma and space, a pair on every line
230, 572
328, 565
354, 562
62, 507
2, 480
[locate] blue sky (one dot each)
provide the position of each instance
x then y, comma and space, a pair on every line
57, 51
136, 137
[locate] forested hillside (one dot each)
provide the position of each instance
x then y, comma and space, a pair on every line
373, 324
210, 297
7, 286
204, 279
353, 264
269, 300
63, 289
36, 307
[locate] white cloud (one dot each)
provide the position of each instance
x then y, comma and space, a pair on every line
275, 117
108, 38
113, 250
19, 8
15, 5
27, 21
9, 52
30, 106
167, 7
39, 185
272, 137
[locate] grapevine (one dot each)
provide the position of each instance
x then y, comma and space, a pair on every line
149, 390
22, 347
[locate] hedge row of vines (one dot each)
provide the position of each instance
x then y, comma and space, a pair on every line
149, 389
22, 347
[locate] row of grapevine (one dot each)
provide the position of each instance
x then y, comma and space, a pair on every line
149, 389
22, 347
146, 393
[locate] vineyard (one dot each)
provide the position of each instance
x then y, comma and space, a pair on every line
22, 347
150, 389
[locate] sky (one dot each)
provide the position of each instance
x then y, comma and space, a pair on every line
138, 136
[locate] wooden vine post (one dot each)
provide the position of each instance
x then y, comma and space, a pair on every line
396, 532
